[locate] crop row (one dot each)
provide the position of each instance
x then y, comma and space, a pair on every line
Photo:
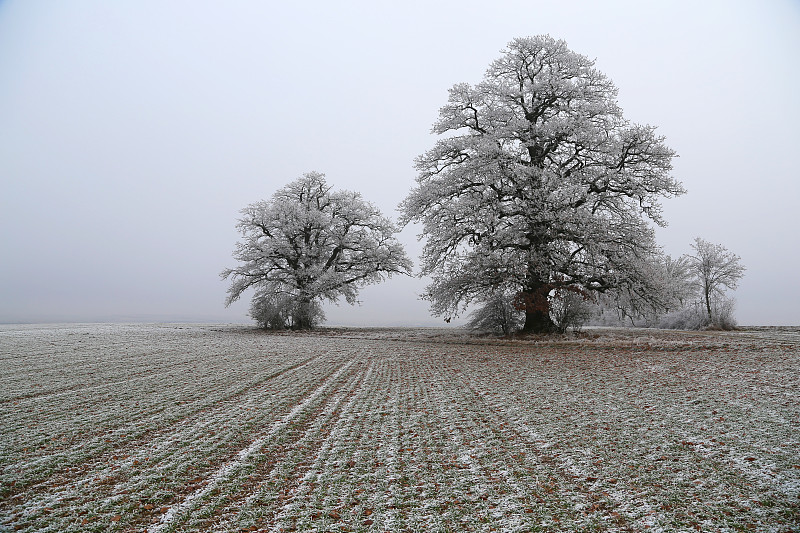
202, 428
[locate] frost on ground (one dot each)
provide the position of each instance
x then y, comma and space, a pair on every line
210, 428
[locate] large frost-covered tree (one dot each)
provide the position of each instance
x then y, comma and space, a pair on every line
308, 244
536, 183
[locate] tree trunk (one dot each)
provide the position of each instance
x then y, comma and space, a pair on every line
537, 309
302, 318
538, 322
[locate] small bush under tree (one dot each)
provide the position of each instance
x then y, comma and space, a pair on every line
571, 308
284, 312
496, 315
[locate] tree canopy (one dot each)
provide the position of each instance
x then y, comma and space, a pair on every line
309, 243
537, 182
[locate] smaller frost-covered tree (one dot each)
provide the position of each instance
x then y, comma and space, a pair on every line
683, 293
308, 244
715, 269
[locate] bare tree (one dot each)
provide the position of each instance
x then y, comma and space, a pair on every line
308, 244
716, 269
538, 183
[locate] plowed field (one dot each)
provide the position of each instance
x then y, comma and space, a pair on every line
219, 428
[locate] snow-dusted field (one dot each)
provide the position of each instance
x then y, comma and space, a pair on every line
214, 428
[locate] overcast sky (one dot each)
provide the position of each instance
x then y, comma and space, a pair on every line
133, 132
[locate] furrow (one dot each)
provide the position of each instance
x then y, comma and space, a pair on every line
243, 455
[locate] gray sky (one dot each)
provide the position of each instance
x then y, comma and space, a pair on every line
133, 132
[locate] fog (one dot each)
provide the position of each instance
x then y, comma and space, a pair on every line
132, 133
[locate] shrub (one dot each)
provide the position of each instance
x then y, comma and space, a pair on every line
695, 317
272, 311
691, 318
570, 309
497, 315
723, 314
